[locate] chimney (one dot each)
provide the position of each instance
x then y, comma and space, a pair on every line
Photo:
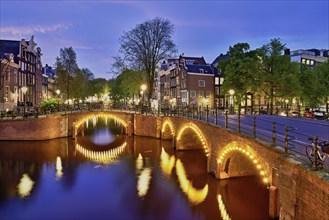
287, 51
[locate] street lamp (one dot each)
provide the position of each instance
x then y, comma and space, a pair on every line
143, 87
57, 99
24, 90
231, 92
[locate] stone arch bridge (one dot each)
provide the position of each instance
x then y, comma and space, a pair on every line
294, 189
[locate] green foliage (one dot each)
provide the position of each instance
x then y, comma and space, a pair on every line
51, 103
241, 71
66, 68
127, 84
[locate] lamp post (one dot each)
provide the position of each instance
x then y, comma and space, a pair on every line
57, 99
231, 92
24, 90
143, 87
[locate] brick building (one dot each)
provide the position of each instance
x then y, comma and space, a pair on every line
186, 81
28, 58
8, 83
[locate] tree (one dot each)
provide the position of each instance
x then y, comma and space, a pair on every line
127, 84
145, 45
66, 68
241, 72
279, 76
321, 73
81, 85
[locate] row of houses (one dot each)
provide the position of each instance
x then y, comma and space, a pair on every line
190, 81
24, 81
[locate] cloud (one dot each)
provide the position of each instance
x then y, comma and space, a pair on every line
28, 30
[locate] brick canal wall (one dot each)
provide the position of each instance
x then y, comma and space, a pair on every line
42, 128
296, 192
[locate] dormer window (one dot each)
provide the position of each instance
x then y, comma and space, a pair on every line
201, 70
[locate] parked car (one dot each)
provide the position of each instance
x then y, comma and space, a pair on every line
294, 114
308, 114
317, 114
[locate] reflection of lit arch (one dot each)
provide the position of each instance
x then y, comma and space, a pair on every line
222, 208
101, 115
105, 157
195, 196
167, 163
198, 132
232, 148
171, 127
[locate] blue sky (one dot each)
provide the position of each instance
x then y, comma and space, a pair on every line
202, 28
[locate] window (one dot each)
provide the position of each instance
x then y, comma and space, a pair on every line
216, 80
192, 94
216, 90
201, 93
8, 74
308, 62
303, 61
184, 95
201, 83
183, 83
201, 70
312, 62
208, 94
221, 80
7, 94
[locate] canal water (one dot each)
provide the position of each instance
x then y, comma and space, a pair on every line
104, 174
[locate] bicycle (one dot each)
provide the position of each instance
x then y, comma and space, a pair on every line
321, 149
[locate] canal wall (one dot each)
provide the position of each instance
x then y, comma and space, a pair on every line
42, 128
296, 191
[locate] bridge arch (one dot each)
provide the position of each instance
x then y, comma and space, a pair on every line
198, 132
80, 122
165, 132
237, 159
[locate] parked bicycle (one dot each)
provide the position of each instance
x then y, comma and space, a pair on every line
317, 151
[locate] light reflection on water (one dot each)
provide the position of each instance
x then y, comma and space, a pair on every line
148, 181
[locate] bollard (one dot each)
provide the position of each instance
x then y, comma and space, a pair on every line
226, 119
274, 134
286, 140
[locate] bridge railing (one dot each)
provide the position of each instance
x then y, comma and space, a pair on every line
293, 142
288, 138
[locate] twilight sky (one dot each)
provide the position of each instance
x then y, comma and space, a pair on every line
202, 28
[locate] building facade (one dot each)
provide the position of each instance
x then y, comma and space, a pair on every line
8, 83
28, 58
186, 81
310, 57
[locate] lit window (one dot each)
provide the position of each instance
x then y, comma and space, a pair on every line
216, 80
192, 94
201, 93
202, 83
217, 90
207, 94
201, 70
308, 62
312, 62
303, 61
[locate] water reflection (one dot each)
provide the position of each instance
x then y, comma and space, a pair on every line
103, 137
25, 186
148, 181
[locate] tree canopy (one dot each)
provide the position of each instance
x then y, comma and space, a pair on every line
145, 45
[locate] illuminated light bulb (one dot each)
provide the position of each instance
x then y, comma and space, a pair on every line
251, 157
259, 166
255, 161
248, 153
265, 180
262, 173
